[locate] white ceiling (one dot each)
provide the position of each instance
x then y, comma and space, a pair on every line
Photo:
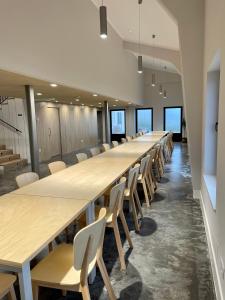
123, 16
158, 64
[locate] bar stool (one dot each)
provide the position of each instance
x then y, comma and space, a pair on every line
95, 151
67, 267
115, 144
142, 177
131, 194
123, 140
114, 211
81, 157
26, 178
6, 286
56, 166
105, 147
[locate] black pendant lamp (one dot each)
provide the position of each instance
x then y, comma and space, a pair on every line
103, 21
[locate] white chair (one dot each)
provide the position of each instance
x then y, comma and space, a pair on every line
81, 157
67, 267
6, 286
114, 211
115, 144
131, 194
95, 151
123, 140
142, 178
26, 178
105, 147
56, 166
128, 138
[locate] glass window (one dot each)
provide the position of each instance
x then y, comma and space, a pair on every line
173, 119
118, 121
144, 119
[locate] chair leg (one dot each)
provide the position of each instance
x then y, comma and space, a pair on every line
35, 289
149, 187
145, 192
119, 245
134, 212
11, 295
125, 227
105, 278
138, 203
85, 291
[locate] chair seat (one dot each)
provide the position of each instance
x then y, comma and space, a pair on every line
6, 281
57, 268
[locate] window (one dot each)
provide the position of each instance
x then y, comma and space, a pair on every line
173, 121
144, 119
118, 122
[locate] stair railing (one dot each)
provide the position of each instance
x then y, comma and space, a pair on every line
7, 125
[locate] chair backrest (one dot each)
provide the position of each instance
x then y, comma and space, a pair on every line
106, 147
143, 165
81, 156
26, 178
56, 166
123, 140
128, 138
87, 242
115, 143
95, 151
116, 196
132, 178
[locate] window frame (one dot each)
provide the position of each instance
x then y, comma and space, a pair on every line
164, 117
136, 116
120, 109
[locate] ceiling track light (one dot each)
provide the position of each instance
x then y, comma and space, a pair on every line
140, 64
103, 21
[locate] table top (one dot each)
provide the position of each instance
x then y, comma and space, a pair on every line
29, 223
89, 179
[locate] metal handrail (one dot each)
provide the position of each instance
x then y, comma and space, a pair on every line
10, 126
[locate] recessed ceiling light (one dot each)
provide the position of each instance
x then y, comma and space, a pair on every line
53, 84
100, 103
71, 102
95, 95
56, 100
129, 103
82, 104
91, 105
116, 100
39, 94
77, 100
114, 104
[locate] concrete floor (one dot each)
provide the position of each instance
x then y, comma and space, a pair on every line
170, 258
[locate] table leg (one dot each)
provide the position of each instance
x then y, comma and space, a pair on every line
25, 283
90, 218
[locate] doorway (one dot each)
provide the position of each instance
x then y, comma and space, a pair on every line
173, 121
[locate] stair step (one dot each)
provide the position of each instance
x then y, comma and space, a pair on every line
6, 152
5, 158
14, 163
2, 147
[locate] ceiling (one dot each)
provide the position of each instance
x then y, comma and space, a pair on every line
123, 16
158, 64
12, 85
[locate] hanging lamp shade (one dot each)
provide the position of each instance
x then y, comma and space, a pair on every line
103, 22
153, 79
164, 94
140, 67
160, 89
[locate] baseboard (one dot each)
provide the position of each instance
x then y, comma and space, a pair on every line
215, 269
196, 194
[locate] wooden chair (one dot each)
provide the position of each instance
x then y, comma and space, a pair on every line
81, 157
115, 144
150, 174
56, 166
128, 138
67, 267
123, 140
114, 211
6, 286
26, 178
157, 162
95, 151
142, 177
105, 147
131, 194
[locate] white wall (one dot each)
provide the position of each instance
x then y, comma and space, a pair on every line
59, 41
172, 83
14, 113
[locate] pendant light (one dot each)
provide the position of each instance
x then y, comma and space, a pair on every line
153, 74
103, 21
160, 89
164, 94
140, 65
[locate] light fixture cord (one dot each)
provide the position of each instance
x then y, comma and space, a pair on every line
139, 33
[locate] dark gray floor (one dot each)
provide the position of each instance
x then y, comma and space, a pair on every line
170, 256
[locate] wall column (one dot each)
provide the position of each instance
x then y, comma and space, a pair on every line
31, 116
107, 122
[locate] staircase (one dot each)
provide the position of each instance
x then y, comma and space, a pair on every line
8, 159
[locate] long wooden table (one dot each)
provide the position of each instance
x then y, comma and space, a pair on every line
34, 215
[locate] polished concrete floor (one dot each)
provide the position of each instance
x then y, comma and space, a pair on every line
170, 259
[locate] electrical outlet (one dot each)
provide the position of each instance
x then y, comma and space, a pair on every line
222, 268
